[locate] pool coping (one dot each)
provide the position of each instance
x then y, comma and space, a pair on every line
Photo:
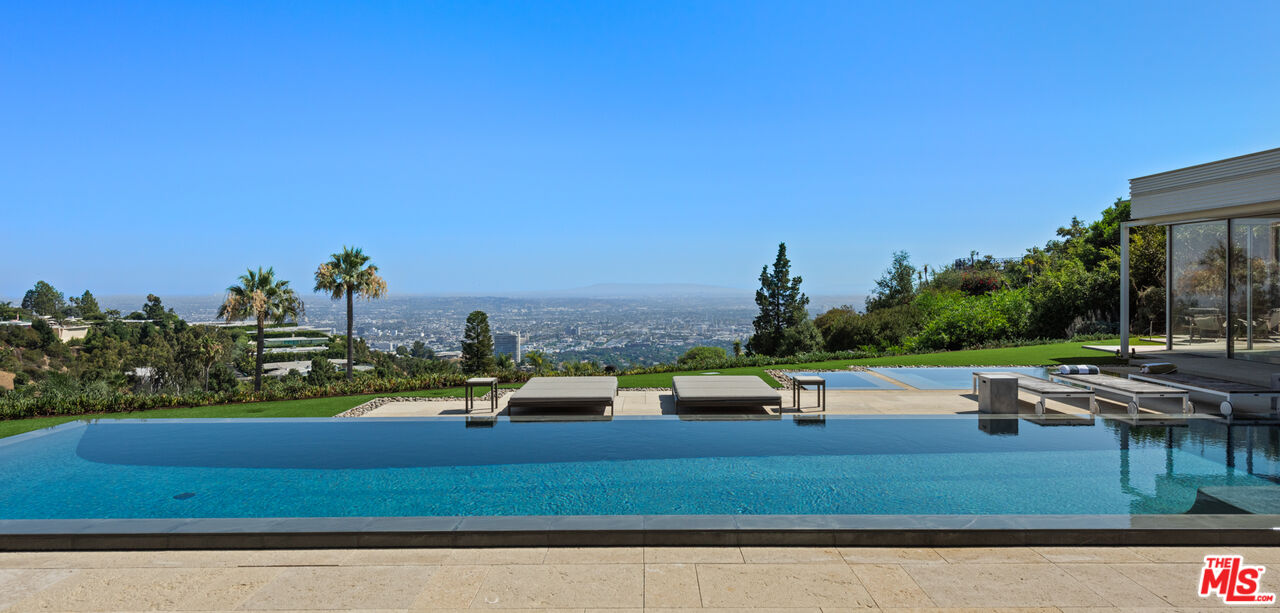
639, 530
626, 530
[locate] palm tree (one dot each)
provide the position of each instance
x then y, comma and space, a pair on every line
207, 350
263, 298
538, 361
345, 275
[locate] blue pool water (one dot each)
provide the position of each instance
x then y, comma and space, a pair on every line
951, 377
852, 381
441, 467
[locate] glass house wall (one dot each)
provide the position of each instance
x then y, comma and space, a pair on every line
1224, 279
1255, 289
1198, 290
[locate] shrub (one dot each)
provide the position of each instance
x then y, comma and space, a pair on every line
1061, 295
322, 371
698, 355
66, 396
957, 321
979, 282
800, 338
845, 329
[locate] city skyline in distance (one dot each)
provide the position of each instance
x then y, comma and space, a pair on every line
636, 330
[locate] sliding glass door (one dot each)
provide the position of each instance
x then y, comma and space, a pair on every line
1198, 288
1255, 288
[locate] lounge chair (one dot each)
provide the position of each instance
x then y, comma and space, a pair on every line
1042, 389
724, 391
1132, 390
566, 393
1229, 391
1205, 326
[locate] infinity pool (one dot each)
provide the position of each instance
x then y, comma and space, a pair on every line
628, 466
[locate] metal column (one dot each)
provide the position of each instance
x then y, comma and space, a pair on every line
1124, 289
1168, 288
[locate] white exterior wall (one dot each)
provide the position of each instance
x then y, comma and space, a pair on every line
1198, 191
1243, 186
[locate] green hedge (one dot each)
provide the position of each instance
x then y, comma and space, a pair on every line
752, 360
18, 405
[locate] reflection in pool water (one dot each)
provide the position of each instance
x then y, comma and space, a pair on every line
628, 466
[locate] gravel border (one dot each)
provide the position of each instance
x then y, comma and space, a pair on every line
784, 376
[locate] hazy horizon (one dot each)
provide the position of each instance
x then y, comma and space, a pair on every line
489, 148
597, 291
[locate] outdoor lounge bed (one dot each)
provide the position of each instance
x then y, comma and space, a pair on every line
1042, 389
1229, 391
1132, 390
566, 393
724, 391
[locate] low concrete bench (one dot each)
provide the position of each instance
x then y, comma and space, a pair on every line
1229, 391
1042, 389
724, 391
566, 393
1131, 389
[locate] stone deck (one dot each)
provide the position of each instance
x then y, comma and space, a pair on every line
615, 579
840, 402
795, 579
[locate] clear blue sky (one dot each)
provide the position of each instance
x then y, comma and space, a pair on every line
489, 147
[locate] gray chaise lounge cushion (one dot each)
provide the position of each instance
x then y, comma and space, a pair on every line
565, 391
724, 390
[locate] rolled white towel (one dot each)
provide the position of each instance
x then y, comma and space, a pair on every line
1078, 369
1159, 368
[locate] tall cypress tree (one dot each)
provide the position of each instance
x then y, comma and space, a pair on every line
477, 344
782, 307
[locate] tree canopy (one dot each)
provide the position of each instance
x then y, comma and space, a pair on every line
896, 286
477, 344
43, 299
783, 325
348, 274
86, 306
259, 296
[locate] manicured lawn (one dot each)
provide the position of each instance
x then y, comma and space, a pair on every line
313, 407
664, 379
1032, 355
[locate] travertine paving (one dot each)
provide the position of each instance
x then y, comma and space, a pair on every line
796, 579
839, 402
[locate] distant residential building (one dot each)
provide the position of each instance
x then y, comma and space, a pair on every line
507, 343
65, 332
280, 369
70, 332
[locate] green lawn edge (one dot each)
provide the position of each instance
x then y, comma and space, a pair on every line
310, 407
1031, 355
